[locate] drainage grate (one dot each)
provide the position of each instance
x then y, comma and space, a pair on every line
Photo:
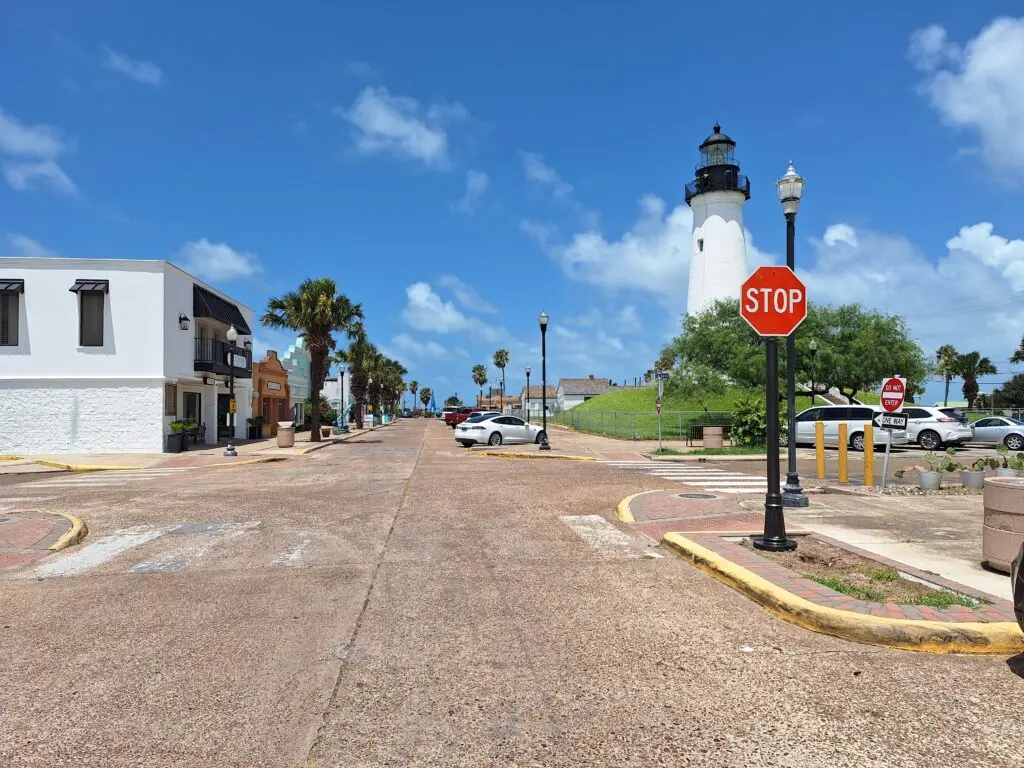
695, 495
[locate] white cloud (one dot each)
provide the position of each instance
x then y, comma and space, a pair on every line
418, 348
466, 295
565, 333
361, 69
586, 319
540, 172
47, 173
145, 72
979, 86
840, 233
540, 231
1005, 256
32, 151
627, 320
400, 126
216, 261
26, 246
426, 311
477, 183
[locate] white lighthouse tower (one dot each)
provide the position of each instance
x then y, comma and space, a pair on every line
718, 264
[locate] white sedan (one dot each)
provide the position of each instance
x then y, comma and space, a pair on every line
495, 429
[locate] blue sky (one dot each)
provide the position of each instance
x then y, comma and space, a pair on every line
459, 170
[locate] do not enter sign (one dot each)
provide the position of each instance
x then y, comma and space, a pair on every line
894, 390
774, 301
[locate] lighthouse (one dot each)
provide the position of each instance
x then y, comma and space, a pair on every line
718, 261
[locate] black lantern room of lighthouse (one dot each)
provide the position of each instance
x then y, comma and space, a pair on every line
718, 170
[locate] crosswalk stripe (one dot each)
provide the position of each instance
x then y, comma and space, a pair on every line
98, 552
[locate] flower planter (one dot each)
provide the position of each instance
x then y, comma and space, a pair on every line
1000, 472
1003, 530
253, 433
929, 481
325, 432
973, 479
176, 442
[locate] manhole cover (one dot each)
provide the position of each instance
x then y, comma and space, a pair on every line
695, 495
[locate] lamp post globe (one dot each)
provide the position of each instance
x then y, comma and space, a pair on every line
791, 189
543, 320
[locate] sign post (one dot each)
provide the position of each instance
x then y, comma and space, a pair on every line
894, 392
773, 301
660, 376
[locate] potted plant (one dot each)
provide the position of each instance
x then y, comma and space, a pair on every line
929, 477
975, 476
1008, 464
176, 442
255, 425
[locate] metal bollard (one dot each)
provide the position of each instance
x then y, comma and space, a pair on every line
869, 454
844, 475
819, 447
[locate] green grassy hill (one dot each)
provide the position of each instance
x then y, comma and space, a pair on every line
639, 400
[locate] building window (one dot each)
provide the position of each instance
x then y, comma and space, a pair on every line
700, 244
90, 326
8, 319
170, 400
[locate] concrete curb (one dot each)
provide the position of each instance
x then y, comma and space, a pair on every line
517, 455
79, 530
709, 457
83, 467
906, 634
260, 460
11, 458
623, 511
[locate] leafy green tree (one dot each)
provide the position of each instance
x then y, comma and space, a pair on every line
666, 359
480, 377
1011, 394
970, 367
1018, 356
358, 357
317, 311
945, 366
501, 359
453, 401
696, 383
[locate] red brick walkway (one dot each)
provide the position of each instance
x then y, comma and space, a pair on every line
718, 524
28, 536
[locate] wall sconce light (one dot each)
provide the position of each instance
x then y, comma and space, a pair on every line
247, 344
183, 321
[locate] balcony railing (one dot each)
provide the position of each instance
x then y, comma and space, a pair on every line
719, 178
216, 356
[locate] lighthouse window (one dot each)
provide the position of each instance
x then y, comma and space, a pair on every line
700, 244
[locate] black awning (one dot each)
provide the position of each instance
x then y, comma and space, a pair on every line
9, 285
103, 286
207, 304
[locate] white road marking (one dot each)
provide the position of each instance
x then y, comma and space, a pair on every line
600, 534
202, 539
294, 556
98, 552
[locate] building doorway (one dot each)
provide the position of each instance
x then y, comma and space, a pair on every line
223, 408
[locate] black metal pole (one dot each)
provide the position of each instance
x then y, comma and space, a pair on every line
792, 494
230, 450
774, 538
527, 397
544, 445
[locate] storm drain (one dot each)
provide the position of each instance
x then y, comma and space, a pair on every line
695, 495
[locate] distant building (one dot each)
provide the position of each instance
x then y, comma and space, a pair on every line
338, 392
572, 392
271, 392
531, 402
296, 362
494, 401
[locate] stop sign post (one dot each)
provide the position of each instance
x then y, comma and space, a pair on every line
773, 301
894, 391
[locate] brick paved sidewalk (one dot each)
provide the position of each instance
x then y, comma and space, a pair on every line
718, 524
28, 536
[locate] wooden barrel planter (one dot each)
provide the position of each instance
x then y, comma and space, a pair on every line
1003, 529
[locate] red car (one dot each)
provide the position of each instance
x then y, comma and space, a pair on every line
455, 418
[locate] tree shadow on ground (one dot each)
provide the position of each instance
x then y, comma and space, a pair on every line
1016, 664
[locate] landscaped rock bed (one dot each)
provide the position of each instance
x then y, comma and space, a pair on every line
913, 490
858, 576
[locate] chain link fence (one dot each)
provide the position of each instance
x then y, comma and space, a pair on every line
642, 425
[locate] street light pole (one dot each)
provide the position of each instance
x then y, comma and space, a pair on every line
774, 539
232, 335
527, 394
544, 444
813, 347
790, 189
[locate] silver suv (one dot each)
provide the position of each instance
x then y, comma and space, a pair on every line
932, 428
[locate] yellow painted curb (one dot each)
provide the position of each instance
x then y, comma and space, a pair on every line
623, 509
511, 455
83, 467
79, 530
907, 634
261, 460
11, 458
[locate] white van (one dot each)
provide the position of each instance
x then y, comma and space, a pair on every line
854, 416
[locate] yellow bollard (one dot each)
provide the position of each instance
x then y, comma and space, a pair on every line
819, 447
844, 475
869, 454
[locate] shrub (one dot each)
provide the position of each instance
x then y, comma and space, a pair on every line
750, 423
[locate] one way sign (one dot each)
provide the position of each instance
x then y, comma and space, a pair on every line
891, 420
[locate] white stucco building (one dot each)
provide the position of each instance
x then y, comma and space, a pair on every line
337, 391
296, 362
101, 355
573, 392
717, 194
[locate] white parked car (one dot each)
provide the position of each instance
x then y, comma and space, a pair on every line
1000, 429
932, 428
495, 429
855, 417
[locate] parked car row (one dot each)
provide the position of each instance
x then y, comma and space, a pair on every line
930, 428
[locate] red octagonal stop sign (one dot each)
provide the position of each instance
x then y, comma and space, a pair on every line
774, 301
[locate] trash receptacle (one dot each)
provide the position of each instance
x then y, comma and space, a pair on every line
285, 434
712, 437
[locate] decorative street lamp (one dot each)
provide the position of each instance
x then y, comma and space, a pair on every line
813, 348
791, 189
183, 321
232, 335
544, 444
527, 394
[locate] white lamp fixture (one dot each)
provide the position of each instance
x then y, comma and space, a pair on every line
791, 189
232, 335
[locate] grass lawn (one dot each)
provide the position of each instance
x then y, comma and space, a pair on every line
869, 398
639, 400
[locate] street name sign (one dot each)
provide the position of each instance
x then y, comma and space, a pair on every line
662, 375
891, 421
894, 390
773, 301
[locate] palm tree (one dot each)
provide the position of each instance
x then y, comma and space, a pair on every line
317, 311
946, 359
425, 394
1018, 356
413, 388
480, 378
501, 358
357, 356
970, 367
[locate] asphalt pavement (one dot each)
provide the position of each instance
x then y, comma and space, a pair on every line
396, 600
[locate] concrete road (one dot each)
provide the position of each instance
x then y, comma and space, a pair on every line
396, 601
